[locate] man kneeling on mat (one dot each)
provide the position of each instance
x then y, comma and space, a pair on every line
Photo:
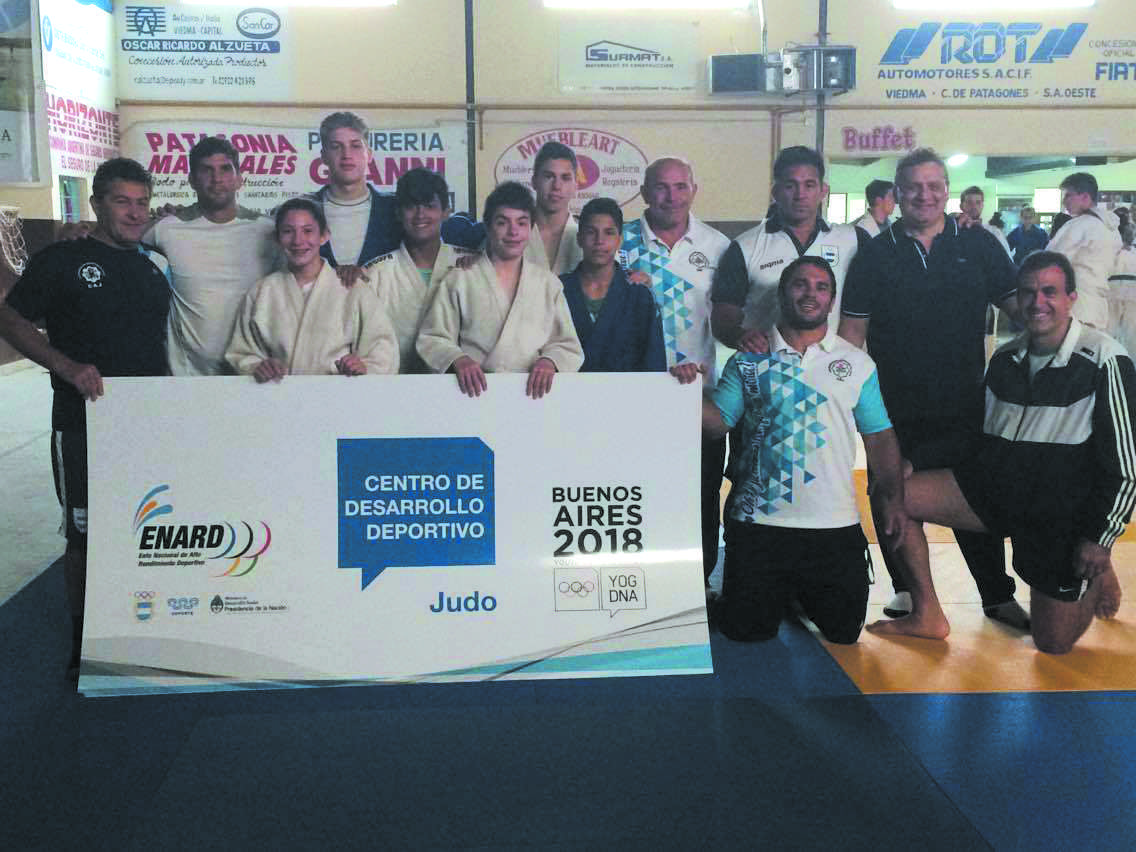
1055, 470
792, 525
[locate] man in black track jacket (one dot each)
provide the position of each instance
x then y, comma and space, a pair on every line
1056, 469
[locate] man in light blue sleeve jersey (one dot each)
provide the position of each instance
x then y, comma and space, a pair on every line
792, 525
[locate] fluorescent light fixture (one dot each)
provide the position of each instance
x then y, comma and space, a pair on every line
957, 159
990, 5
1047, 200
645, 5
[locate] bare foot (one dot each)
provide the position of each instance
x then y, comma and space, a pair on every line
916, 624
1108, 599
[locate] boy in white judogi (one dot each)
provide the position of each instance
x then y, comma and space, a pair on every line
502, 315
406, 279
552, 241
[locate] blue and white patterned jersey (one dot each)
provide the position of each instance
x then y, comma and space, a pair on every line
799, 418
680, 279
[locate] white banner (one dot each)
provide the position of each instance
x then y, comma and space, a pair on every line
620, 59
192, 52
78, 70
281, 162
387, 528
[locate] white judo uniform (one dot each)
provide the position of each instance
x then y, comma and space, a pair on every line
1091, 241
568, 254
310, 331
404, 296
1122, 299
470, 315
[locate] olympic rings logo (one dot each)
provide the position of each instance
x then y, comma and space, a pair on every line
577, 587
144, 596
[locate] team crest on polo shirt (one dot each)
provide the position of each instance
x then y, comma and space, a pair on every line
830, 254
840, 368
92, 274
698, 260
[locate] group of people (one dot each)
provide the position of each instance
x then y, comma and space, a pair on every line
836, 331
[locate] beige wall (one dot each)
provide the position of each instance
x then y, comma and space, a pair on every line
377, 62
410, 53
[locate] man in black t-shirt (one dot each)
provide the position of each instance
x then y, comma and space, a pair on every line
104, 305
918, 293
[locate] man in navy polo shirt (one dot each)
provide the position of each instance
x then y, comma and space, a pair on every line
917, 294
105, 306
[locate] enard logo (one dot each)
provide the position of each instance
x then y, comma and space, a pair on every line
239, 545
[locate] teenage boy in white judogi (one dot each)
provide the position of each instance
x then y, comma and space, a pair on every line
407, 278
503, 315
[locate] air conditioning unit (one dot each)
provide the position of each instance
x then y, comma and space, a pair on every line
818, 68
744, 74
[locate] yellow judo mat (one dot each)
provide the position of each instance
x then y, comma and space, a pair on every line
981, 655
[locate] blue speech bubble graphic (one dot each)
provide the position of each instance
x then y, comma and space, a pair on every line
414, 502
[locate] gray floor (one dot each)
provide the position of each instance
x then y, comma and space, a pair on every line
29, 539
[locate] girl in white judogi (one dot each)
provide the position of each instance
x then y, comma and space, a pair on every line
301, 320
502, 315
406, 279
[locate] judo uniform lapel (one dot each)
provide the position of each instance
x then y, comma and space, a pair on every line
568, 253
318, 318
405, 298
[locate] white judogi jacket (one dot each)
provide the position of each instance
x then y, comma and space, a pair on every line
404, 297
310, 333
869, 225
568, 254
1091, 241
471, 316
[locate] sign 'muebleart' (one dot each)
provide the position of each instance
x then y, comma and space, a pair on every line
387, 528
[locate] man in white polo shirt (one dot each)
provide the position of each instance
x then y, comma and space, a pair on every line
745, 293
678, 254
792, 527
216, 251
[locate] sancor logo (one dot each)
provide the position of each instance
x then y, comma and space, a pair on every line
258, 23
984, 43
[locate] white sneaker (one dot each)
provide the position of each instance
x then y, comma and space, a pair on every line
900, 605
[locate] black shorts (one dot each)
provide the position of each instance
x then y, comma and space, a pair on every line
932, 444
1043, 547
767, 567
69, 466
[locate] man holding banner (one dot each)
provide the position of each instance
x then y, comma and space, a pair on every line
678, 254
105, 306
